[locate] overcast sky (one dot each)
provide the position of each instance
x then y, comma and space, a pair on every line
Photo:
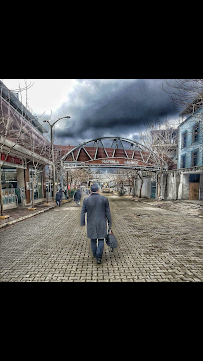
98, 107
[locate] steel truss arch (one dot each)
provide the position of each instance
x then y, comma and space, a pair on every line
123, 153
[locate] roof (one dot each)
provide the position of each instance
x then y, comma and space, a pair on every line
15, 102
194, 105
64, 148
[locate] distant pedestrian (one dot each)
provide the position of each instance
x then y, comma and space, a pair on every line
58, 198
77, 197
61, 193
66, 194
98, 213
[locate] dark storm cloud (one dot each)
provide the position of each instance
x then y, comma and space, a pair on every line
117, 107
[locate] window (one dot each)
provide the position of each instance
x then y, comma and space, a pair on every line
184, 140
9, 178
194, 178
183, 159
195, 133
194, 159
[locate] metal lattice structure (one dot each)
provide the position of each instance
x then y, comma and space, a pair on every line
117, 152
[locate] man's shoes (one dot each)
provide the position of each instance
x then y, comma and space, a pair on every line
98, 260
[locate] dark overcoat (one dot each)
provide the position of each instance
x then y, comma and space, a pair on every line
61, 193
98, 213
58, 196
77, 195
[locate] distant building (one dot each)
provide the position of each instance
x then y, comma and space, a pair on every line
187, 181
190, 142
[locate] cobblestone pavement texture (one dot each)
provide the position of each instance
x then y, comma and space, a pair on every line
154, 245
22, 213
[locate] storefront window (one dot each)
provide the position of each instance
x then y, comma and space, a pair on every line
8, 177
38, 192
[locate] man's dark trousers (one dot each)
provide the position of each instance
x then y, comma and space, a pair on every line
97, 251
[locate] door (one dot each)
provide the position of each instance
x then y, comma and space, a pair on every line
153, 190
194, 180
194, 191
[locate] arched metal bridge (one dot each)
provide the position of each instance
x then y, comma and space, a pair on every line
112, 152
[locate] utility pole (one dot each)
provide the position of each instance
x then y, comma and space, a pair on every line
52, 149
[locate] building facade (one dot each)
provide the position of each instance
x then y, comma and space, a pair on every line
190, 142
187, 182
20, 155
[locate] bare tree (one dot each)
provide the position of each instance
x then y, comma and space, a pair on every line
125, 177
79, 176
40, 152
120, 178
162, 139
185, 94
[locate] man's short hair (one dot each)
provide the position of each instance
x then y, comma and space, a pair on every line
94, 187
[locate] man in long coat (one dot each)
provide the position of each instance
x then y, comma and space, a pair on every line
98, 213
77, 196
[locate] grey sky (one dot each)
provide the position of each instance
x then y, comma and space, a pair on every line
111, 107
98, 107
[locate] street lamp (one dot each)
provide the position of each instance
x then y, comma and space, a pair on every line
52, 147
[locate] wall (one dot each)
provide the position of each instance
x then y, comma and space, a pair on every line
191, 146
146, 188
170, 185
175, 185
201, 186
185, 186
20, 178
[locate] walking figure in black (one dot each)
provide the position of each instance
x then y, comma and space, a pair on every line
77, 197
98, 213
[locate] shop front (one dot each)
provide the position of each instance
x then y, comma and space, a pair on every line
38, 183
9, 186
38, 178
12, 180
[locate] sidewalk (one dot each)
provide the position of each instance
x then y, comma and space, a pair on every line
20, 213
189, 207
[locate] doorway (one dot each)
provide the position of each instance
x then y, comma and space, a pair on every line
194, 180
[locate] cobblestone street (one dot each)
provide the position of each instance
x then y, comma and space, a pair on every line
154, 244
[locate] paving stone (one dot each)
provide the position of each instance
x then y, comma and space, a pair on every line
162, 246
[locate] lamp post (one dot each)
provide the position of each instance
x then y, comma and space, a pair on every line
52, 148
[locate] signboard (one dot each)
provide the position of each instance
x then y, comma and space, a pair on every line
109, 161
11, 159
119, 161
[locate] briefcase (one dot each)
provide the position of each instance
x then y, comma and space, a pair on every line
111, 240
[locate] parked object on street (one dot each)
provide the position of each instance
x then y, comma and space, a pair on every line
106, 190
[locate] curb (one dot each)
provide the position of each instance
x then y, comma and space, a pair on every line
29, 216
